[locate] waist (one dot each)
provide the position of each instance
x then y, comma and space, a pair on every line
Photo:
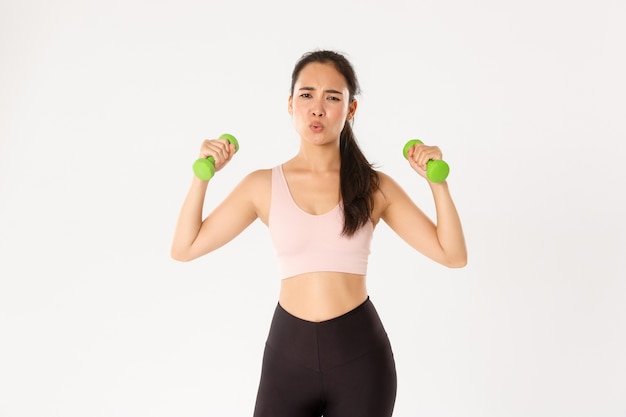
319, 296
324, 345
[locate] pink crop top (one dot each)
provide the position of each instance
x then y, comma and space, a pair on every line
306, 242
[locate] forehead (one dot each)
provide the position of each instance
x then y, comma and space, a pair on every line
317, 73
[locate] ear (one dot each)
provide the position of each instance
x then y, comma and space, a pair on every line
290, 105
352, 109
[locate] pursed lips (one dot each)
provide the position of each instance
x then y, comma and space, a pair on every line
316, 126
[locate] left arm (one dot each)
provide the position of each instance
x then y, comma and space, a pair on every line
442, 241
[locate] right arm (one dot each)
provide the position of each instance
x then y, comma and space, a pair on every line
193, 236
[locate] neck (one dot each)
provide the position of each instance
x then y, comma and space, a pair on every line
319, 158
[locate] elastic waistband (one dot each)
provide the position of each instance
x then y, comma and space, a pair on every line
364, 305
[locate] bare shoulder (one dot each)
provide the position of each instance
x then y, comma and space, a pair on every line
257, 187
388, 187
260, 177
390, 197
387, 192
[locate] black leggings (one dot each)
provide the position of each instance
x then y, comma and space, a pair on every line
341, 367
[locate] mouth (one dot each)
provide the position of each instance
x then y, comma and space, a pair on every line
316, 127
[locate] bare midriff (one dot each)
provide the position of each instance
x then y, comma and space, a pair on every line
319, 296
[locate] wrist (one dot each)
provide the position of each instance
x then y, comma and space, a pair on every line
438, 186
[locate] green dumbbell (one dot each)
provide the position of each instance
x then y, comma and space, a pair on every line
204, 168
436, 169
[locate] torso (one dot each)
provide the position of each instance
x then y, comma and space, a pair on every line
316, 296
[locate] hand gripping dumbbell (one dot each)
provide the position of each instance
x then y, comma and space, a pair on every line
436, 169
204, 168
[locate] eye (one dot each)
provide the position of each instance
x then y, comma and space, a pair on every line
305, 95
333, 98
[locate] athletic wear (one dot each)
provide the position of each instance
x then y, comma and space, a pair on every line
343, 367
309, 243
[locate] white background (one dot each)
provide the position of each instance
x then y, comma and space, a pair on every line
103, 106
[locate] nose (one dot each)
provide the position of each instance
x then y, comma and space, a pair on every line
318, 109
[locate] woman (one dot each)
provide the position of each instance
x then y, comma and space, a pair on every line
327, 352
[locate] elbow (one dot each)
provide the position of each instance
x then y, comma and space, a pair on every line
457, 262
186, 253
179, 255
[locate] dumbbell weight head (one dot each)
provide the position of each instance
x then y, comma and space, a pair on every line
437, 170
409, 145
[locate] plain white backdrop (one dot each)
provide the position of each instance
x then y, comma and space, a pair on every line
103, 106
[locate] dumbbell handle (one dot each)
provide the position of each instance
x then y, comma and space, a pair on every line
436, 169
204, 168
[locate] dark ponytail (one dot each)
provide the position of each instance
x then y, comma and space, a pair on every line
358, 180
358, 183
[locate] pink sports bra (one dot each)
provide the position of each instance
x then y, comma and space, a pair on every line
306, 242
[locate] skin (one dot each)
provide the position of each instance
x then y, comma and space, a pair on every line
319, 106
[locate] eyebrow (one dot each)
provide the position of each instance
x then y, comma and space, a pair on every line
331, 91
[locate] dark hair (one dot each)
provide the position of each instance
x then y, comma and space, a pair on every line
358, 180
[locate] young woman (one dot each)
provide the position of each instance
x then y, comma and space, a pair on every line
327, 352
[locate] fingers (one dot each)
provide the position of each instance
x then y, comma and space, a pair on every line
420, 154
220, 149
